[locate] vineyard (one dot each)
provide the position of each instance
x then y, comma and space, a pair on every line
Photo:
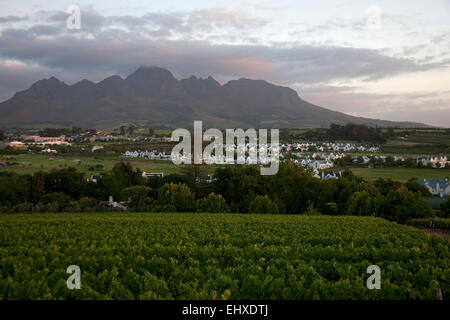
217, 256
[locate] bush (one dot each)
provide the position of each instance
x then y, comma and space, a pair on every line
263, 204
445, 209
311, 211
175, 198
87, 202
213, 203
361, 204
401, 205
140, 197
431, 223
56, 200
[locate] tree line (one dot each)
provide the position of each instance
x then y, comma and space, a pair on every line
239, 189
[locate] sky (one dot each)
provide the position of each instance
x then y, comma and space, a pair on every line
379, 59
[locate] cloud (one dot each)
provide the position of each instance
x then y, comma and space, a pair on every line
9, 19
122, 51
217, 41
425, 106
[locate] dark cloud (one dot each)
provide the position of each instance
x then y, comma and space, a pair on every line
123, 51
44, 30
119, 44
9, 19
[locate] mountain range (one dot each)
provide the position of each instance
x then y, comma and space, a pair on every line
153, 96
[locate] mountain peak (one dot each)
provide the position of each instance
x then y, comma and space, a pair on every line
153, 95
84, 83
154, 81
50, 87
146, 72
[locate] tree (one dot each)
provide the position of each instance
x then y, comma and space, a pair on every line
66, 180
130, 129
311, 211
124, 171
175, 198
238, 185
151, 132
361, 203
445, 209
390, 161
413, 186
87, 202
140, 197
2, 135
195, 175
213, 203
76, 130
59, 199
37, 186
401, 205
263, 204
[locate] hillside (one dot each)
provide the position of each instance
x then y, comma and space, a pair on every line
153, 96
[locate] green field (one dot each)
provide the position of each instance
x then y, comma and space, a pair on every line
431, 142
30, 163
217, 256
401, 174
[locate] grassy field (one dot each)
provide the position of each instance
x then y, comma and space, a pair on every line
434, 142
401, 174
217, 256
30, 163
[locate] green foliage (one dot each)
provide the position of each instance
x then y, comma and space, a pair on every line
401, 205
201, 256
87, 203
263, 204
311, 211
444, 209
213, 203
59, 198
175, 198
350, 131
141, 197
67, 180
441, 223
361, 203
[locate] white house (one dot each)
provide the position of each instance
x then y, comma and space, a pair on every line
439, 187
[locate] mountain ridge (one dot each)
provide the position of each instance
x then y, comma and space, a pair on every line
153, 96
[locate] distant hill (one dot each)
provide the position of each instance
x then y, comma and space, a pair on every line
153, 96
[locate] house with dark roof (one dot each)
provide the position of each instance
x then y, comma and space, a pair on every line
439, 187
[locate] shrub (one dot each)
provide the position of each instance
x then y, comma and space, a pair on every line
263, 204
311, 211
57, 200
87, 202
140, 197
361, 204
213, 203
445, 209
175, 198
401, 205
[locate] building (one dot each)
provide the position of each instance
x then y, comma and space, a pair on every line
114, 204
439, 187
331, 175
152, 174
434, 160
